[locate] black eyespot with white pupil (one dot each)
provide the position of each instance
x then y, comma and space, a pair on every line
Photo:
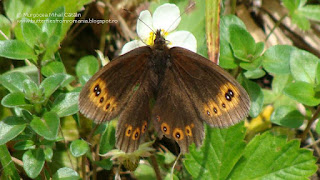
97, 90
164, 129
178, 135
230, 92
228, 97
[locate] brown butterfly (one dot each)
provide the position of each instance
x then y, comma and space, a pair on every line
188, 90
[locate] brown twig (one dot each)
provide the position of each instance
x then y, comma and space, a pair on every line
315, 147
155, 165
83, 166
314, 117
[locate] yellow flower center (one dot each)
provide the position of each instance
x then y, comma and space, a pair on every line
152, 36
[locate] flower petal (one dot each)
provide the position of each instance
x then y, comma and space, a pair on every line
131, 45
144, 25
183, 39
166, 17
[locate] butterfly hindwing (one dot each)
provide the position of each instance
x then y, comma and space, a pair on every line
217, 97
134, 119
106, 94
174, 116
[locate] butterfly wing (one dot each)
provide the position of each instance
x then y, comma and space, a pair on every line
106, 94
216, 96
174, 115
196, 90
121, 87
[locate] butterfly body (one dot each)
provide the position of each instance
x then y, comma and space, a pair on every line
187, 88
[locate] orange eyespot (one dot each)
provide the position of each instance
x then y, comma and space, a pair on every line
165, 128
144, 127
136, 134
129, 131
158, 118
188, 131
192, 125
178, 134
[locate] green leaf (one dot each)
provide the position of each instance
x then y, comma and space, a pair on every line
227, 60
256, 97
9, 170
12, 81
279, 82
53, 25
79, 148
16, 49
32, 91
226, 22
104, 163
271, 157
87, 65
254, 74
311, 12
291, 5
30, 32
276, 59
287, 116
197, 28
66, 104
10, 127
108, 139
5, 26
301, 21
19, 8
15, 99
221, 150
54, 67
318, 127
144, 172
33, 161
259, 49
242, 43
48, 152
47, 126
303, 92
24, 145
51, 84
303, 66
252, 65
65, 173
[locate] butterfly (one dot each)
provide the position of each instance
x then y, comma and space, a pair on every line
187, 90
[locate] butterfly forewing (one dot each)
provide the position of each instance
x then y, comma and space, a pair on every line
106, 94
217, 97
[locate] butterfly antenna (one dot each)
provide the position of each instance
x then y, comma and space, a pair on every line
189, 7
142, 22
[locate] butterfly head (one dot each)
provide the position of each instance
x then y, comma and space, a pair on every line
159, 42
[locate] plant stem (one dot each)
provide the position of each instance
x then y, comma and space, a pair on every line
314, 117
83, 167
155, 165
275, 26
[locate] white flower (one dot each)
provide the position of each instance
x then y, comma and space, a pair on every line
166, 18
